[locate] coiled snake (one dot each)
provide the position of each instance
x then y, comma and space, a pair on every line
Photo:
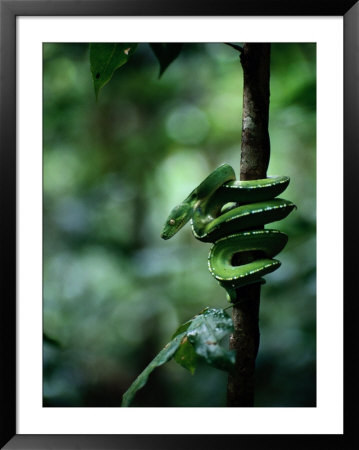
231, 214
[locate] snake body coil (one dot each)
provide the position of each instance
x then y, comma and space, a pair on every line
231, 214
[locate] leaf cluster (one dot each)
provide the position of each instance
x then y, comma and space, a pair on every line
199, 338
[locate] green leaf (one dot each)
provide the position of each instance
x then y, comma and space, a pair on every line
182, 328
200, 336
105, 59
185, 325
186, 355
166, 53
206, 332
164, 355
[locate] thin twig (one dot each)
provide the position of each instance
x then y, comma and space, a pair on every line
236, 47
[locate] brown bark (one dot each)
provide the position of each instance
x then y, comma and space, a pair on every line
255, 151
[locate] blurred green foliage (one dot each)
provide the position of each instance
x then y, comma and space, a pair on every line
114, 292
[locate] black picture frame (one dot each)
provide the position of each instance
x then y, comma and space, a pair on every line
9, 10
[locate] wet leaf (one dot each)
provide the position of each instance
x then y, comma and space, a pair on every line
185, 325
206, 332
164, 355
186, 355
166, 54
105, 59
182, 328
201, 337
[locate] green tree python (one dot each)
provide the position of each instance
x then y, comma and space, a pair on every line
231, 214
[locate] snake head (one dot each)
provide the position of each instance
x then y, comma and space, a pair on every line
178, 217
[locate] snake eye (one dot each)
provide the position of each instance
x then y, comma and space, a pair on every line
172, 221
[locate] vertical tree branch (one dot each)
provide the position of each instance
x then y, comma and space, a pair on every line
255, 152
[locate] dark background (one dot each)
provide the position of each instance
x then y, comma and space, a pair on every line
114, 291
